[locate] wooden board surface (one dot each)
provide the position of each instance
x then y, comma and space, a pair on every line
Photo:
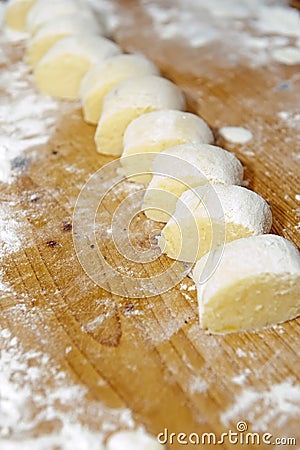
149, 355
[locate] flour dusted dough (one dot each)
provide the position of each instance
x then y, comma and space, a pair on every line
61, 70
56, 29
16, 13
155, 131
256, 284
187, 237
101, 78
129, 99
192, 165
133, 440
43, 11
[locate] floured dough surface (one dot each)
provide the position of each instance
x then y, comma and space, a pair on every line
256, 284
128, 100
103, 77
15, 15
188, 166
133, 440
158, 130
60, 71
208, 216
56, 29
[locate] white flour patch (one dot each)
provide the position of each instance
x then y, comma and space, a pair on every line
240, 353
27, 119
273, 406
252, 28
291, 118
198, 385
242, 377
36, 395
10, 230
236, 135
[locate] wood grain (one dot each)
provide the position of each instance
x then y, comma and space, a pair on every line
149, 355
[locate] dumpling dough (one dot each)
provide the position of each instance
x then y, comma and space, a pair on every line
192, 165
43, 11
60, 71
101, 78
256, 283
158, 130
16, 13
133, 440
218, 209
130, 99
56, 29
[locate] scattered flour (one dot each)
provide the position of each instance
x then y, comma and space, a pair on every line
35, 395
273, 406
242, 377
198, 385
27, 119
292, 118
240, 353
253, 28
236, 135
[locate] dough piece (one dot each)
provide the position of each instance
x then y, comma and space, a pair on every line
129, 99
103, 77
219, 211
158, 130
61, 70
16, 12
55, 30
133, 440
193, 165
42, 11
256, 284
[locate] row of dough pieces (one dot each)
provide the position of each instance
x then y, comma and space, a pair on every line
138, 112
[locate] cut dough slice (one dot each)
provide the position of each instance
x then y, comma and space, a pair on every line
256, 284
42, 11
209, 215
130, 99
191, 165
61, 70
56, 29
133, 440
16, 13
158, 130
100, 79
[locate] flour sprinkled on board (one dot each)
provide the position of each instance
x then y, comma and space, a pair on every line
251, 28
54, 415
275, 406
27, 119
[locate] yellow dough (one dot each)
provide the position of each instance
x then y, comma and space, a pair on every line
101, 78
218, 213
128, 100
156, 131
256, 284
191, 165
60, 71
16, 13
44, 11
56, 29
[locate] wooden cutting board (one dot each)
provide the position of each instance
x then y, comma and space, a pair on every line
149, 355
